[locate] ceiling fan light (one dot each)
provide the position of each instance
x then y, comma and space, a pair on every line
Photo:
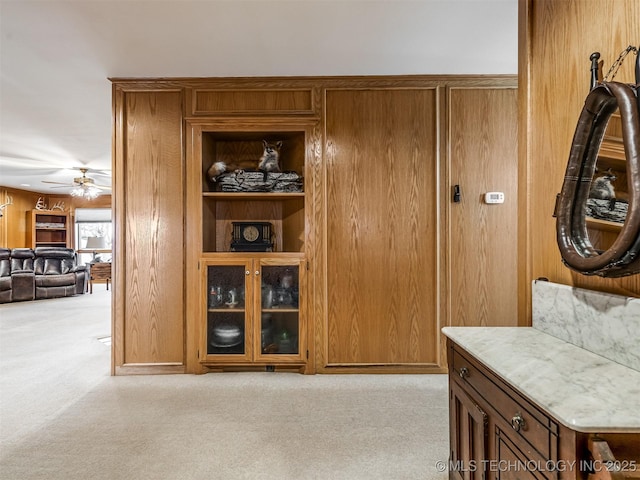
77, 192
91, 192
85, 191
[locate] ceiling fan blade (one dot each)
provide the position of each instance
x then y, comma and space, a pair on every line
32, 172
101, 187
93, 171
58, 183
104, 173
29, 164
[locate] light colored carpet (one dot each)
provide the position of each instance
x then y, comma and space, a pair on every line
63, 417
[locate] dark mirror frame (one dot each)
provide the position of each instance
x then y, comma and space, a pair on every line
623, 257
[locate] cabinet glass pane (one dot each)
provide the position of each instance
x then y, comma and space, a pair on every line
225, 310
279, 309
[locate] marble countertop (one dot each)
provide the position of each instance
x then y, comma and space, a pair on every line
581, 390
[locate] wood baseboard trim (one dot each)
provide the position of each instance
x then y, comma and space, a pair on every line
391, 369
149, 369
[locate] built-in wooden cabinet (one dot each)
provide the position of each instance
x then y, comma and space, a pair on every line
254, 311
370, 231
49, 228
242, 275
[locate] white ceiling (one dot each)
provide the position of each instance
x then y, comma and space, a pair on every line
56, 58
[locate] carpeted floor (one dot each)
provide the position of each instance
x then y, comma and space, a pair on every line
62, 416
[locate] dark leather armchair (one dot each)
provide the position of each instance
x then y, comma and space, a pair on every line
57, 273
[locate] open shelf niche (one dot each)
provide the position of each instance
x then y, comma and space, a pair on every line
284, 210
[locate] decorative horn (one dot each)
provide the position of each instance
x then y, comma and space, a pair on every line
5, 205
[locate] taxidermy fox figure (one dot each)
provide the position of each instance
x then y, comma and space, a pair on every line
268, 162
270, 159
602, 188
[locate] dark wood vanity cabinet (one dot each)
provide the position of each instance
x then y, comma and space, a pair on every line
469, 434
495, 432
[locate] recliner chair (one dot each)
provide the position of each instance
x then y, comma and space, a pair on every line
23, 284
57, 273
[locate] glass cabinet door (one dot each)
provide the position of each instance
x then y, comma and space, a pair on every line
280, 310
227, 332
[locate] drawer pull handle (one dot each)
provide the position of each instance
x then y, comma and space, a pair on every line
464, 372
518, 423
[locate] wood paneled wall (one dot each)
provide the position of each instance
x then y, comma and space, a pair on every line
149, 239
482, 238
382, 226
13, 224
376, 212
401, 259
556, 40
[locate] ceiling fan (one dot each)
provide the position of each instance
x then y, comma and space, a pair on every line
82, 186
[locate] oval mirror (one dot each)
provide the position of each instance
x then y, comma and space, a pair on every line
608, 201
598, 215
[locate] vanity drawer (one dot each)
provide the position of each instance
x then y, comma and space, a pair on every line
519, 416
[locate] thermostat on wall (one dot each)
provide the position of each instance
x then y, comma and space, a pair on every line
494, 197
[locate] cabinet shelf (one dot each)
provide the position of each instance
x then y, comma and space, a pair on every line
243, 196
612, 149
49, 228
285, 211
603, 225
241, 150
225, 310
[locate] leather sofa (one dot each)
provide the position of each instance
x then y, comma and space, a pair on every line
5, 275
44, 272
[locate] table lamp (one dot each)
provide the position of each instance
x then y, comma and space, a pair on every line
95, 243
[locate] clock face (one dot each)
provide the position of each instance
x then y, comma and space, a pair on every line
250, 233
